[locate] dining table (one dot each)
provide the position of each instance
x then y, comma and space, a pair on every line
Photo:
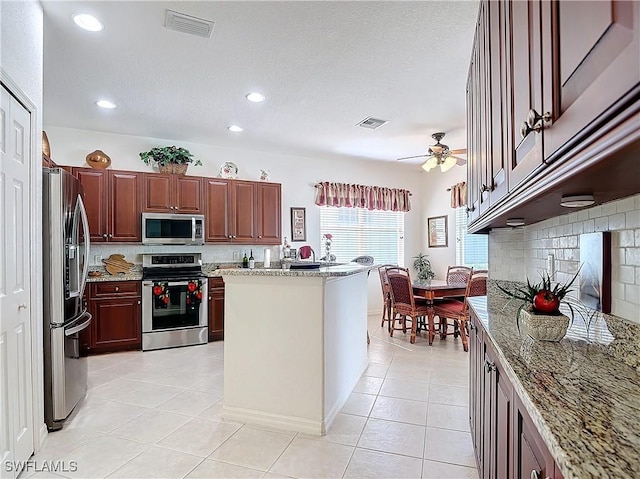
434, 290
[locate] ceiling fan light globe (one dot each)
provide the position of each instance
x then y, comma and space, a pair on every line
430, 164
448, 163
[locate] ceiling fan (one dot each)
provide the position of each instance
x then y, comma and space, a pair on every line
440, 154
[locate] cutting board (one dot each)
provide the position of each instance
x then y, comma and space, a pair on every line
116, 263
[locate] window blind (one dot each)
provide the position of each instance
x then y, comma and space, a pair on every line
358, 231
471, 250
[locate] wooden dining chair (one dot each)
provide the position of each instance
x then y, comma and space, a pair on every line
458, 311
387, 307
455, 275
405, 304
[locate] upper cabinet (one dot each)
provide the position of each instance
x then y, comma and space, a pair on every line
112, 199
242, 212
553, 91
172, 194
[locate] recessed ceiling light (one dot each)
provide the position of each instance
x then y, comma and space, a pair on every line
255, 97
106, 104
515, 222
235, 128
87, 22
577, 201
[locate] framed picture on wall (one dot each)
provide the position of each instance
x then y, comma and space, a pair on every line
437, 231
298, 224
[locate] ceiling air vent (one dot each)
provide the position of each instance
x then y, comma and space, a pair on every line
188, 24
372, 123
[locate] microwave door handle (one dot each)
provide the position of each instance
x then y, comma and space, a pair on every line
87, 244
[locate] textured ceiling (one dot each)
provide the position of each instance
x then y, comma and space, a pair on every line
323, 66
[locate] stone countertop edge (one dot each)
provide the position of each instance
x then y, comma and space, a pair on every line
582, 399
325, 272
132, 276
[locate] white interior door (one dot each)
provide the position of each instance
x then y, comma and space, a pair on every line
16, 413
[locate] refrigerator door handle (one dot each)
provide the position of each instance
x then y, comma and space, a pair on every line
87, 242
80, 327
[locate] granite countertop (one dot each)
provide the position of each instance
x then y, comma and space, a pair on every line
323, 272
134, 275
582, 393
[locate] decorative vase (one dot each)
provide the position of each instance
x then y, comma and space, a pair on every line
98, 159
544, 327
173, 168
46, 148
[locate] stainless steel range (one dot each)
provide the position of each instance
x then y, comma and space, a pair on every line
174, 301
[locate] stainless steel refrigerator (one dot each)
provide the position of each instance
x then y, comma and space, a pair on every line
65, 240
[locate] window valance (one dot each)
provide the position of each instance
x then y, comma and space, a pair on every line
362, 196
459, 195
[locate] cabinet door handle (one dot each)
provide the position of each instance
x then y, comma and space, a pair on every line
535, 120
489, 366
117, 288
104, 235
139, 302
471, 326
110, 235
536, 475
209, 298
259, 237
485, 188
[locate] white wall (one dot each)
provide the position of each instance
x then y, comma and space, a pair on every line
437, 202
21, 54
521, 253
297, 174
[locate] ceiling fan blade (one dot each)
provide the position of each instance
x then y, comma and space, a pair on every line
461, 151
411, 157
460, 161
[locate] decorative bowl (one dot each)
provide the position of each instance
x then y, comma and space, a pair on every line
98, 159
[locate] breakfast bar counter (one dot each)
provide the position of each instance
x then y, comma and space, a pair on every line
295, 344
582, 393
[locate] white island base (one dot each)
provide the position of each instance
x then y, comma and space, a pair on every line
295, 345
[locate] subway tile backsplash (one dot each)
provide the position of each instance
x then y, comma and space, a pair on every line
520, 253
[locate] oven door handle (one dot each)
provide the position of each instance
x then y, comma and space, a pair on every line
169, 283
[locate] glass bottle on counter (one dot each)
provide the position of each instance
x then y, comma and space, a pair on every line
252, 261
286, 250
245, 261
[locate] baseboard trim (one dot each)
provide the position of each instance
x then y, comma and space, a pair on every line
335, 410
275, 421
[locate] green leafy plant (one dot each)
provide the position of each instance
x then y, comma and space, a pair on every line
166, 155
542, 297
423, 266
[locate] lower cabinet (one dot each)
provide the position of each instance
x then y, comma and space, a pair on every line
216, 309
506, 443
117, 317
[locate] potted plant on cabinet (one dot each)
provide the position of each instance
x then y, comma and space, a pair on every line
423, 266
170, 159
539, 312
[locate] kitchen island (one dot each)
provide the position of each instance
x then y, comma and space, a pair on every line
295, 344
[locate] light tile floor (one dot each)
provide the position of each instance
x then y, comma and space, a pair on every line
158, 415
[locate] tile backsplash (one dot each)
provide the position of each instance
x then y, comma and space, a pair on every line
520, 253
210, 253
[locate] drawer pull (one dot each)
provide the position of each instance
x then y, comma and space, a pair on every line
489, 366
535, 120
117, 288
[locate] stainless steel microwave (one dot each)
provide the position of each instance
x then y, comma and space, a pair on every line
167, 228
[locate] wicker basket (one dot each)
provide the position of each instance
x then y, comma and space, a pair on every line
173, 168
